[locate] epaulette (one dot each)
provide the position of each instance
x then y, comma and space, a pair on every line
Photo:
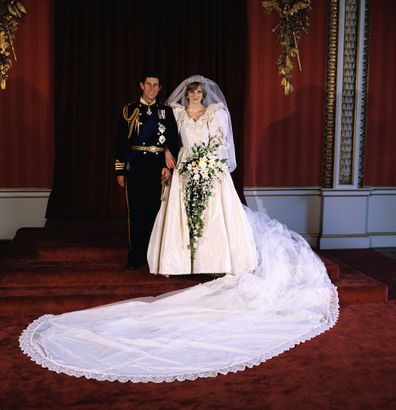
130, 104
132, 120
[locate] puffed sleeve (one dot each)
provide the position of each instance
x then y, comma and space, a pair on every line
220, 134
177, 111
218, 125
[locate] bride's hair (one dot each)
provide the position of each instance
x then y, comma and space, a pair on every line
193, 86
213, 95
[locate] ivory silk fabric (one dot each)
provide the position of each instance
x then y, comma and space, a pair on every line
227, 244
276, 293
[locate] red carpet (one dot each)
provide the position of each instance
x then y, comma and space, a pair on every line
74, 265
371, 262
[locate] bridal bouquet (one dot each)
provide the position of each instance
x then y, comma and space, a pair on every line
201, 170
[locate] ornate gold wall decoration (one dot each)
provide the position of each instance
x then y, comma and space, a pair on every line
352, 136
294, 19
331, 93
347, 143
11, 11
363, 118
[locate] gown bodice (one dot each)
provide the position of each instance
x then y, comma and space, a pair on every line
210, 125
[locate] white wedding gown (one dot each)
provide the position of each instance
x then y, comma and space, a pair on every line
277, 294
227, 243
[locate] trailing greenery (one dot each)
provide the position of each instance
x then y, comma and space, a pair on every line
200, 172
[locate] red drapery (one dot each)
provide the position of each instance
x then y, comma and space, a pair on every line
101, 52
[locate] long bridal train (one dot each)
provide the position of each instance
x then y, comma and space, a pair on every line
220, 326
276, 292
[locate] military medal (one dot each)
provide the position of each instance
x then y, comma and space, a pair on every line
161, 129
142, 101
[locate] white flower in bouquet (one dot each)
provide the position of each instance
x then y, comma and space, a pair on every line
200, 172
204, 174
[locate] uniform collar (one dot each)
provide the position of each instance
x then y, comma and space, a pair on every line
146, 103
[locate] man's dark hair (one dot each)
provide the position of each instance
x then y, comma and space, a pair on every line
147, 74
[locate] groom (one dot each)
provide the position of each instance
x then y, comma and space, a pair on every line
146, 130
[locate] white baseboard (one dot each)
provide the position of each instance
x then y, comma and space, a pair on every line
298, 209
20, 208
383, 241
329, 218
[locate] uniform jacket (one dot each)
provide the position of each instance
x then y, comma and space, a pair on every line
144, 125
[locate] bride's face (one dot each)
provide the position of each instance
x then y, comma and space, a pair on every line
195, 96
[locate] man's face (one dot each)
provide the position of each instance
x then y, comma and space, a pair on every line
150, 88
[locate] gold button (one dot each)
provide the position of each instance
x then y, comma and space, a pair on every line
144, 152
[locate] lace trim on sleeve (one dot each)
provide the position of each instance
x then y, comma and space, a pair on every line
212, 109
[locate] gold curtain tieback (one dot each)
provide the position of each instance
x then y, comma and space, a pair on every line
152, 149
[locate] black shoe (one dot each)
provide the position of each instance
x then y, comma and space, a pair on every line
132, 261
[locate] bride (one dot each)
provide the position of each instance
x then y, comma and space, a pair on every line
226, 243
276, 292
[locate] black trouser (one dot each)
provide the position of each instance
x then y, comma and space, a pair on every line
143, 195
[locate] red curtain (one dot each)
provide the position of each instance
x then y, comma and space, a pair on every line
380, 164
26, 105
100, 54
283, 135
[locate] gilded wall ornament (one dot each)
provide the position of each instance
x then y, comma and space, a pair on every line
331, 96
294, 19
11, 11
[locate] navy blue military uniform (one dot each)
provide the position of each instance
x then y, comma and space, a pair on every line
144, 131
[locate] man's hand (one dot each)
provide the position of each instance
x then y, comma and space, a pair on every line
169, 160
165, 175
121, 180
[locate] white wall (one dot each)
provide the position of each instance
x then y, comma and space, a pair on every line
329, 219
332, 219
21, 208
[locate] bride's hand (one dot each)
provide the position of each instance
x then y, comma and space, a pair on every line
169, 160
